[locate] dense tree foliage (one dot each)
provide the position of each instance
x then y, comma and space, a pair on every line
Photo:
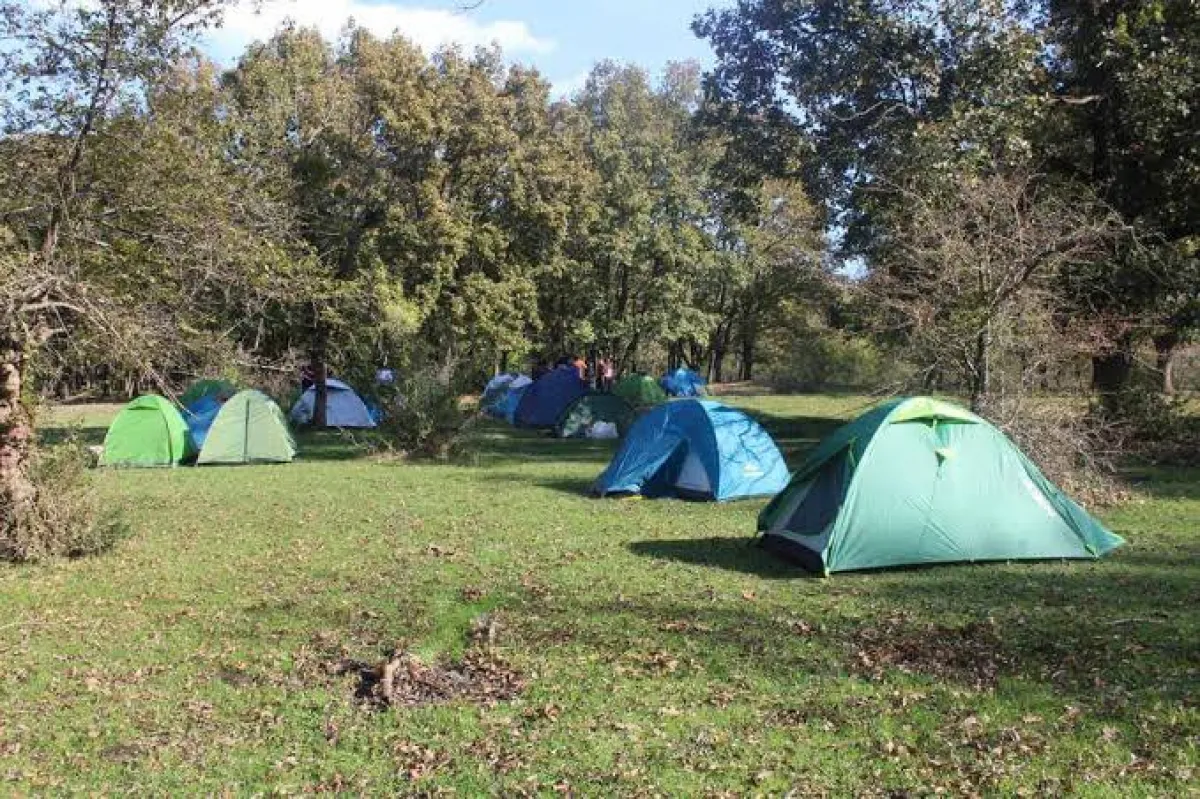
1093, 101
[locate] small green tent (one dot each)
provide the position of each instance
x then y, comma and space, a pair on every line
221, 389
249, 429
591, 408
149, 431
640, 391
918, 481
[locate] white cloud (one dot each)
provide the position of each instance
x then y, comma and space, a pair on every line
429, 28
565, 88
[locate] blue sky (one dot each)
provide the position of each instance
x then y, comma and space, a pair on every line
563, 38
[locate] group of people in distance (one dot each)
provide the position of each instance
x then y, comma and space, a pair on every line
601, 373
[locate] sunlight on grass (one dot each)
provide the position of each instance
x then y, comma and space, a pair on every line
663, 653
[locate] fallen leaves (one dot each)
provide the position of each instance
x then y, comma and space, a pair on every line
404, 680
971, 654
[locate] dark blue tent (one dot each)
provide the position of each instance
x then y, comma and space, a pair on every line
683, 383
545, 400
698, 449
200, 416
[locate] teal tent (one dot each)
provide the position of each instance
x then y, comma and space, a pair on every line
221, 390
591, 408
917, 481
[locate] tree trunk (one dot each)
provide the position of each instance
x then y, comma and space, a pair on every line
320, 373
747, 371
17, 491
749, 336
1164, 348
981, 371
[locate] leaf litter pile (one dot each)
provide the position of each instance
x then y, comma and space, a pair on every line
480, 677
971, 654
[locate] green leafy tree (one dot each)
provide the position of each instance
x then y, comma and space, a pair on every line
67, 71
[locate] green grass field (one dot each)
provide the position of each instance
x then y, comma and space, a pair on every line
663, 655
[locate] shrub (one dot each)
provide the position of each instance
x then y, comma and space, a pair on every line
811, 359
65, 520
1157, 428
426, 417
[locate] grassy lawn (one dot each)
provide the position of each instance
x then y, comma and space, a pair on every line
661, 653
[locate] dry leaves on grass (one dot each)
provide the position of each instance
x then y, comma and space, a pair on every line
404, 680
972, 654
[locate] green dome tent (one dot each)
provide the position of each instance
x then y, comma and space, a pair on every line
919, 481
249, 429
640, 391
221, 389
149, 431
591, 408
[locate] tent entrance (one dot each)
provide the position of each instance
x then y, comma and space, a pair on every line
681, 474
693, 478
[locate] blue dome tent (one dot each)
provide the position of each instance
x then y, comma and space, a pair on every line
684, 383
547, 398
695, 449
200, 415
506, 408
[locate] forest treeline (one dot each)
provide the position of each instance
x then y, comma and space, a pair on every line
994, 198
957, 185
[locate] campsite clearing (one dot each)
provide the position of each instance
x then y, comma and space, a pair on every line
631, 646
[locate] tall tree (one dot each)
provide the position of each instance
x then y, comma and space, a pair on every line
67, 70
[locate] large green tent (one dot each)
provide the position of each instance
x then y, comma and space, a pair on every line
221, 389
918, 481
640, 391
149, 431
591, 408
249, 429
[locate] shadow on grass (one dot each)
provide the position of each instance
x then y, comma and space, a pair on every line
1165, 483
498, 446
795, 435
731, 554
1100, 635
88, 436
335, 445
573, 486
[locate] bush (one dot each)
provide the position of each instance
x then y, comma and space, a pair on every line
1073, 449
1157, 428
65, 520
811, 359
426, 417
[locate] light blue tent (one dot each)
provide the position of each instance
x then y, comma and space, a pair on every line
199, 416
506, 408
493, 400
544, 402
695, 449
684, 383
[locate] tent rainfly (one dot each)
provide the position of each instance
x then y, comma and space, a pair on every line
640, 391
543, 402
147, 432
250, 428
343, 407
695, 449
918, 481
